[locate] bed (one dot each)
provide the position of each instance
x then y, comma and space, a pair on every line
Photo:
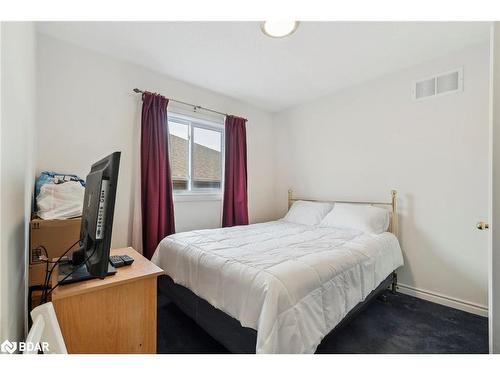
280, 286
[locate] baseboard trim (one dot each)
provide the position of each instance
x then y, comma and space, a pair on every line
443, 300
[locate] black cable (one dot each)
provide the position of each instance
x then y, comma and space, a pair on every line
42, 297
44, 250
47, 261
74, 269
48, 273
46, 281
59, 259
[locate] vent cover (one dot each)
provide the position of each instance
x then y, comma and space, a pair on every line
441, 84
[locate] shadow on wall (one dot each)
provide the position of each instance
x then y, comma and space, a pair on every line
406, 223
134, 233
406, 220
13, 283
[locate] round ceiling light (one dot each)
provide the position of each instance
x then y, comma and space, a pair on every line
279, 29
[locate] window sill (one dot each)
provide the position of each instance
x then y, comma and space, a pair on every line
197, 197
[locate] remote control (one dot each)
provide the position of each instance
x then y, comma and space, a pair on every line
116, 261
120, 260
128, 260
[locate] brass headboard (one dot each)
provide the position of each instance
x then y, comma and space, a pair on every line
392, 204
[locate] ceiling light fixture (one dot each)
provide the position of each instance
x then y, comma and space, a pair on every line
279, 29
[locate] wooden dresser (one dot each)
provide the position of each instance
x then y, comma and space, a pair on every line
113, 315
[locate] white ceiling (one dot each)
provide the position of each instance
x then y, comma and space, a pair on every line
238, 60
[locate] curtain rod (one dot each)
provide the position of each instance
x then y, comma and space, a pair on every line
195, 107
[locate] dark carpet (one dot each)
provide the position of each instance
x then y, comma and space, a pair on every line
402, 324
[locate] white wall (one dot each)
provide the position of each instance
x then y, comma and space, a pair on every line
16, 158
86, 110
361, 142
356, 144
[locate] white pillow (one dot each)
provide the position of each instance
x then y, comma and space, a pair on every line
366, 218
308, 213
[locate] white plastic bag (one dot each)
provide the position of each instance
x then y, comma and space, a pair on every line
60, 201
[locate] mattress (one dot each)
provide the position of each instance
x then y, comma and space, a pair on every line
292, 283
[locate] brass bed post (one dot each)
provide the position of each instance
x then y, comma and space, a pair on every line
290, 197
394, 217
394, 230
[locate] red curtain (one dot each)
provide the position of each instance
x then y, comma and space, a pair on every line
235, 208
156, 181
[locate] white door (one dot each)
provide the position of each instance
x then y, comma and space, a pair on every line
494, 233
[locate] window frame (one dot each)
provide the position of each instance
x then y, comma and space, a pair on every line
192, 194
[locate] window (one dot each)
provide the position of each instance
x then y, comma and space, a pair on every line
196, 154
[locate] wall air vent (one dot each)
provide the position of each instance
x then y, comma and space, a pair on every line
441, 84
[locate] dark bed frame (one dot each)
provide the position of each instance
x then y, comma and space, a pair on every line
227, 330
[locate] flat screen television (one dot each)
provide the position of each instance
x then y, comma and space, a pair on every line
91, 260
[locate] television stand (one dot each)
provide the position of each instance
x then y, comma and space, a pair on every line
111, 315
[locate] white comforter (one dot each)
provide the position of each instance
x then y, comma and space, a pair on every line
292, 283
